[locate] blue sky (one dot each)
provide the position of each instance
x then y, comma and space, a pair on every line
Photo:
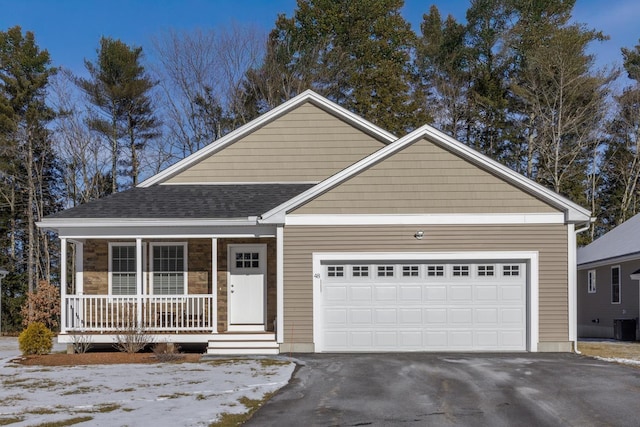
70, 29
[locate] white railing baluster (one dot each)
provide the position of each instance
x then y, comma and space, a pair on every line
161, 313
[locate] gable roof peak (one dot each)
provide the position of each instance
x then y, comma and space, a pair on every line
239, 133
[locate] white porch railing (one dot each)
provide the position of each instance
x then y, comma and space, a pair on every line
153, 313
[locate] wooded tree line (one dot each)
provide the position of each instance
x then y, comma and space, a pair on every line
515, 81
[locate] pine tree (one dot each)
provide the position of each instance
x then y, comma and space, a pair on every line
28, 170
356, 53
119, 89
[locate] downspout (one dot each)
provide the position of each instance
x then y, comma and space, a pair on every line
574, 299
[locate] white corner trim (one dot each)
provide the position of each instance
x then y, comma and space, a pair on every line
572, 283
529, 256
253, 125
426, 219
280, 285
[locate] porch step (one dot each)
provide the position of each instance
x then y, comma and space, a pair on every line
243, 344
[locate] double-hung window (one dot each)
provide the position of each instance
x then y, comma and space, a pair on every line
168, 268
123, 268
615, 285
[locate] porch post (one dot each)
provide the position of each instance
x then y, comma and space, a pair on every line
139, 281
280, 284
214, 284
79, 267
63, 285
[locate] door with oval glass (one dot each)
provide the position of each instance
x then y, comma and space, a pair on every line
246, 287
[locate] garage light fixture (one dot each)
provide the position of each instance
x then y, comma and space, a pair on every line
419, 234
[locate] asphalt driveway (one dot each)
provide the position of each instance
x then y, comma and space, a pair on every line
455, 390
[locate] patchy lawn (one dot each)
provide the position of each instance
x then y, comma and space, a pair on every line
613, 351
64, 390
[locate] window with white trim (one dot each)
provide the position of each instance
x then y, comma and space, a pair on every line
410, 271
591, 281
335, 271
169, 267
486, 270
123, 268
385, 271
360, 271
435, 270
460, 270
615, 285
511, 270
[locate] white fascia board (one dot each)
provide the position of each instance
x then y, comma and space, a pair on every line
609, 261
573, 212
250, 127
426, 219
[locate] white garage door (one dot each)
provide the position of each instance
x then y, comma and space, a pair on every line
395, 306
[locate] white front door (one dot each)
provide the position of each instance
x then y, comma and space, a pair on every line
246, 287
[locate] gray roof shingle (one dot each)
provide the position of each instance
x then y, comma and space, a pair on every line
622, 240
222, 201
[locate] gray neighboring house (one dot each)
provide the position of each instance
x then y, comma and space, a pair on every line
608, 281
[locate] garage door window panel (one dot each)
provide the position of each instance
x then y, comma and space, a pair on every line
335, 271
360, 271
486, 271
511, 270
410, 271
386, 271
460, 271
435, 271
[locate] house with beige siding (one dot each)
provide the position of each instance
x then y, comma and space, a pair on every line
312, 230
608, 284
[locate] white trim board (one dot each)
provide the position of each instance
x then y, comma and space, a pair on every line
531, 257
425, 219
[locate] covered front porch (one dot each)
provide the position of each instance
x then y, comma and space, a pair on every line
223, 290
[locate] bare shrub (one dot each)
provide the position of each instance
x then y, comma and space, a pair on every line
166, 352
81, 343
131, 336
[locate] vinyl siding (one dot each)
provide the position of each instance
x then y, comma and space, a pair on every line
549, 240
424, 178
598, 305
307, 144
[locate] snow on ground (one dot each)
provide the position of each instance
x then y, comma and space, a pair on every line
164, 394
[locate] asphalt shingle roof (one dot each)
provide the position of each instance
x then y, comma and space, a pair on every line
188, 202
622, 240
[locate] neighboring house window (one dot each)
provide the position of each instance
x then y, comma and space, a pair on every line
360, 271
168, 262
123, 269
615, 285
335, 271
385, 271
591, 281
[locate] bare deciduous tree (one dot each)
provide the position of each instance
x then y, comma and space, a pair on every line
201, 73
